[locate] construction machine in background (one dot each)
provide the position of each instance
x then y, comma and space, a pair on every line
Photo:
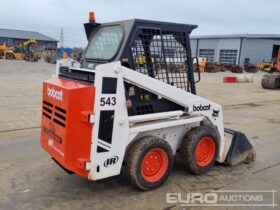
30, 54
2, 51
50, 56
11, 53
271, 80
108, 112
25, 52
265, 66
3, 48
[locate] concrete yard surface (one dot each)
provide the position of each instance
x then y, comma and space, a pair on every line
20, 95
31, 180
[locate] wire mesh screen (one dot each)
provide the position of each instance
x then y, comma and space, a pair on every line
162, 55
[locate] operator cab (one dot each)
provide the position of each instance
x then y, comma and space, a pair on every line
158, 49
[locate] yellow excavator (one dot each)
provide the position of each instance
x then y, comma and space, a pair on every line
30, 54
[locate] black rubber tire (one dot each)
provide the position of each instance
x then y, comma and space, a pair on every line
10, 57
271, 81
134, 158
189, 144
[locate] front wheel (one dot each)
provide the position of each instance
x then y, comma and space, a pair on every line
200, 149
149, 163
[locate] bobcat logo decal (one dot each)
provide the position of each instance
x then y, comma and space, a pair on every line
215, 114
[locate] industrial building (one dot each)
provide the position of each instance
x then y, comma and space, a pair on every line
236, 49
17, 37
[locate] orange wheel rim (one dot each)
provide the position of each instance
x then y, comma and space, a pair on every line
205, 151
154, 165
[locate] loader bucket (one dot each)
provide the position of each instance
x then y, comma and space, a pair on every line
240, 150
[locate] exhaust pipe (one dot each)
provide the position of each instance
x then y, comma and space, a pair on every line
240, 150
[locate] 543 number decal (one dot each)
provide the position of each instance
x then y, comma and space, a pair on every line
110, 101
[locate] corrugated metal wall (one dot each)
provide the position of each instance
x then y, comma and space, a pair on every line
216, 45
256, 50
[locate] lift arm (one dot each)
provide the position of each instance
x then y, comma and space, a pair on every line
195, 105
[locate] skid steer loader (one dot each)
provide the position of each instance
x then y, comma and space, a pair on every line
109, 111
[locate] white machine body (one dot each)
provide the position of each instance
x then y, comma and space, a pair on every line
108, 149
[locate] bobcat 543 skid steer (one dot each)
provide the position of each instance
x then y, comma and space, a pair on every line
109, 111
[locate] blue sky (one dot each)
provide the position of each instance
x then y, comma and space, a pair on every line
212, 16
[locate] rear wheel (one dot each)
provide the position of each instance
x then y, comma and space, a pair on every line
200, 149
149, 163
10, 56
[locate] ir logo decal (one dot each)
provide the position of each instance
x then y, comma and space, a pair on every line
111, 161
